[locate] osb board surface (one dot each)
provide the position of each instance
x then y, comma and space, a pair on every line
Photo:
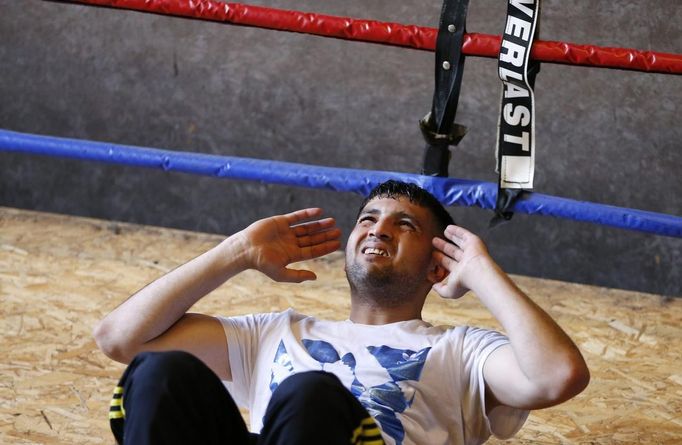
59, 275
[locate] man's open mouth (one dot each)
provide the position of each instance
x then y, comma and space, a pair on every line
374, 251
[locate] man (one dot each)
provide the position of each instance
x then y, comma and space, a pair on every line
382, 375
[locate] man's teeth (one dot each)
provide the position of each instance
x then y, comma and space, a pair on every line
375, 251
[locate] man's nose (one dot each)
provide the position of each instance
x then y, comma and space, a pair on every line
381, 229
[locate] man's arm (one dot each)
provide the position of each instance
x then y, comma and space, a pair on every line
542, 366
156, 318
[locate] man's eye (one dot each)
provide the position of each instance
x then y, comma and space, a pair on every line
365, 219
407, 224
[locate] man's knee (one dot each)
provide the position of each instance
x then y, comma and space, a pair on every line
159, 381
173, 397
164, 364
312, 407
166, 371
310, 388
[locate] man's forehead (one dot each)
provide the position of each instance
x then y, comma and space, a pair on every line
397, 205
422, 216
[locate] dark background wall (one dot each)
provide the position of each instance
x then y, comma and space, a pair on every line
606, 136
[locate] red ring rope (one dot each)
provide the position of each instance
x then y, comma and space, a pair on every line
396, 34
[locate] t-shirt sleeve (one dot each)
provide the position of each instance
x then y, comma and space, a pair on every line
503, 421
244, 334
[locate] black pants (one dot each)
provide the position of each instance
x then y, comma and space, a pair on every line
173, 398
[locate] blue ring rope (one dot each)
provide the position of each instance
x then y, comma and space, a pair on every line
450, 191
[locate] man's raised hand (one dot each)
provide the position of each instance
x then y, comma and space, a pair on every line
271, 244
462, 258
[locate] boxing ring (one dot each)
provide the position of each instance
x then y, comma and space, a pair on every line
55, 386
450, 191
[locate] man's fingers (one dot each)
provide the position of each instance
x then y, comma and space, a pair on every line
295, 276
310, 227
447, 262
305, 253
445, 292
321, 249
457, 234
448, 249
318, 238
439, 288
439, 243
303, 214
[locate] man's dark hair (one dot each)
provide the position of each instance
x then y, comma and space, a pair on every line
416, 195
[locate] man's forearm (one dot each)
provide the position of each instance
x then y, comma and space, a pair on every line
543, 366
155, 308
544, 352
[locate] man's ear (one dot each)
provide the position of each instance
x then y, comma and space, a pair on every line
437, 273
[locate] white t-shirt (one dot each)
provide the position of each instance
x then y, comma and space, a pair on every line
422, 384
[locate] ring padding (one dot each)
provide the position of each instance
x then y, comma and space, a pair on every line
395, 34
449, 191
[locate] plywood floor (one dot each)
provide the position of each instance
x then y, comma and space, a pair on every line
59, 275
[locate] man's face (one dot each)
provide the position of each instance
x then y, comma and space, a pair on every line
390, 245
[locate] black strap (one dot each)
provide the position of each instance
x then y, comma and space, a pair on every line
516, 124
438, 126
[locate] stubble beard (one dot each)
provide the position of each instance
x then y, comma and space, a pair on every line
382, 287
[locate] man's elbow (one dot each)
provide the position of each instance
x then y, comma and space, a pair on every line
109, 344
577, 380
568, 381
